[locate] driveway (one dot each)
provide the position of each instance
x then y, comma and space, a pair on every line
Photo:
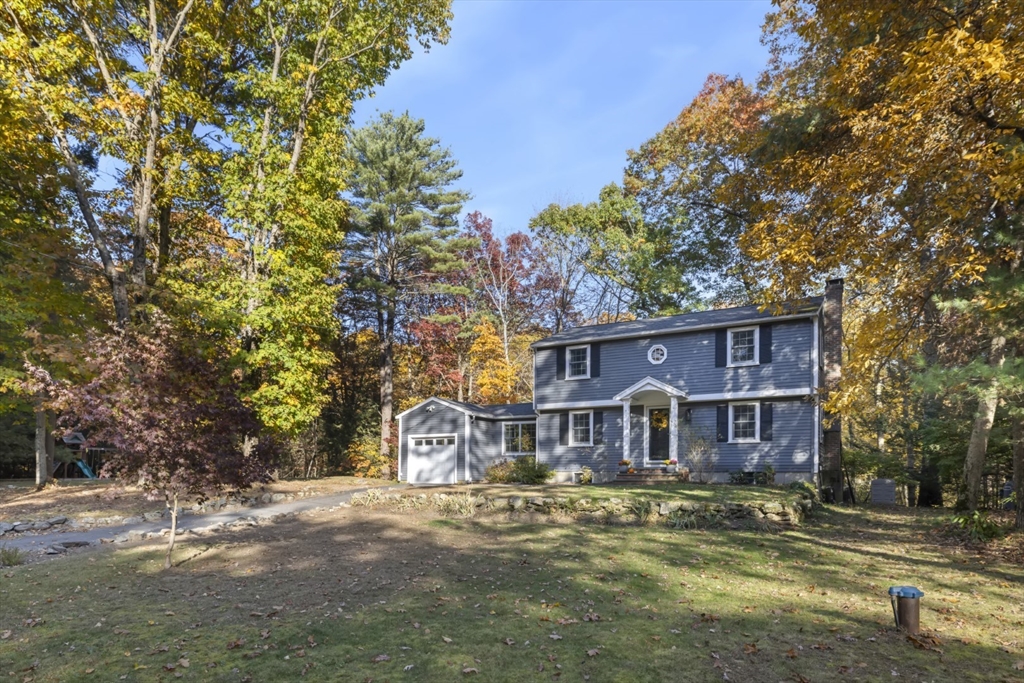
40, 542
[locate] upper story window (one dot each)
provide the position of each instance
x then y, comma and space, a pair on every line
577, 362
657, 354
743, 343
520, 438
744, 422
581, 428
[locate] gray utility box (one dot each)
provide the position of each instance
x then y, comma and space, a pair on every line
883, 491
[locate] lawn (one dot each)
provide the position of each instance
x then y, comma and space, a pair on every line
377, 594
19, 499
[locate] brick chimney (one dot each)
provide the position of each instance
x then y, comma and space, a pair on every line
832, 356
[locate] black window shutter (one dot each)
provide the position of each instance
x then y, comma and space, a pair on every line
598, 427
595, 360
720, 360
560, 360
563, 429
766, 421
765, 337
723, 423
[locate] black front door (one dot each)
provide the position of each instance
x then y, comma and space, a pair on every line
657, 435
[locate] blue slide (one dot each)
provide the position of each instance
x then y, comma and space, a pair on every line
85, 469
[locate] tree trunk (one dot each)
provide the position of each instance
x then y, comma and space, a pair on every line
909, 438
1018, 469
42, 470
387, 386
929, 492
51, 446
174, 530
988, 399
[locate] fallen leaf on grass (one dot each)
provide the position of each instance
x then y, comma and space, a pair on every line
791, 653
555, 636
925, 642
264, 634
750, 649
593, 653
184, 663
90, 671
470, 670
1019, 665
4, 635
232, 644
446, 639
408, 667
799, 678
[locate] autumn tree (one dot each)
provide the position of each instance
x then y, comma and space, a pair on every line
632, 265
166, 405
404, 226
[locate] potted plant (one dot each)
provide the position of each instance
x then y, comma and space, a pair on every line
625, 465
671, 465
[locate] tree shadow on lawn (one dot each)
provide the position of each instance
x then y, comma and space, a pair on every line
363, 594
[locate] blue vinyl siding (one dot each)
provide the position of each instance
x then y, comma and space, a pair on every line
791, 449
690, 366
604, 457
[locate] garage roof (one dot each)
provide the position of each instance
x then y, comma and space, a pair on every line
508, 411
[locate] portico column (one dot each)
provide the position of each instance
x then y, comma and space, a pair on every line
625, 429
673, 429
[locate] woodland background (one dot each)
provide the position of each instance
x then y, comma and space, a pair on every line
256, 275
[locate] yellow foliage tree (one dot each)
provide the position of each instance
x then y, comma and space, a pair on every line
495, 374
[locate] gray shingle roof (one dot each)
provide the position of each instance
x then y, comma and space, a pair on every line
499, 412
677, 323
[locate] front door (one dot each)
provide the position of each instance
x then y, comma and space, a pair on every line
657, 435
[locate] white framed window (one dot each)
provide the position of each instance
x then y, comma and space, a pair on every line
657, 354
581, 428
745, 422
577, 362
743, 346
520, 438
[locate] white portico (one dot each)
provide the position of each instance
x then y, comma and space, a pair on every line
651, 392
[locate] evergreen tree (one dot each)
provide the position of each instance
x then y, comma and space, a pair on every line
402, 231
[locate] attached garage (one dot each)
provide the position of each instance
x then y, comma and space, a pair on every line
432, 459
446, 442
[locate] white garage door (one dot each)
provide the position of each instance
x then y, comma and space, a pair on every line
432, 459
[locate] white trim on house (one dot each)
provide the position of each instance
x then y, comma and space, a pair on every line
572, 431
742, 395
568, 361
469, 442
649, 384
647, 431
572, 405
730, 363
598, 338
520, 423
815, 379
398, 474
435, 399
655, 358
757, 422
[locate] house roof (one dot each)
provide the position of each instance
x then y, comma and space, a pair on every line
722, 317
509, 411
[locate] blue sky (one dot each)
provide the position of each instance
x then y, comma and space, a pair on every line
539, 100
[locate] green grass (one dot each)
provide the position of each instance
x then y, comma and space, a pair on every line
324, 596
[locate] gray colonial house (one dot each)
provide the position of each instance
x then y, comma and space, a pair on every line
729, 390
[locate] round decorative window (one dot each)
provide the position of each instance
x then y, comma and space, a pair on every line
657, 354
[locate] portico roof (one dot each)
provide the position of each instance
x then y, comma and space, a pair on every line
650, 384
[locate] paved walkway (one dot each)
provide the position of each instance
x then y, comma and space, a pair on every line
35, 542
